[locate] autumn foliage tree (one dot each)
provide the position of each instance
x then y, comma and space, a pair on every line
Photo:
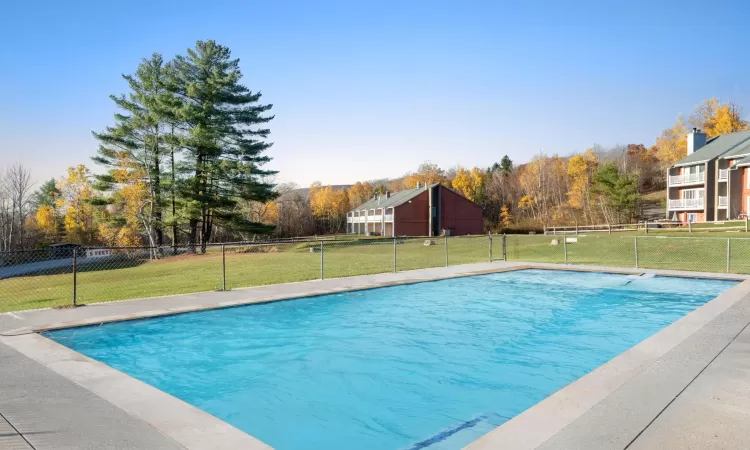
581, 170
329, 206
427, 174
75, 204
469, 183
711, 116
359, 193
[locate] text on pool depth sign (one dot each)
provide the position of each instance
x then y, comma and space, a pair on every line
98, 253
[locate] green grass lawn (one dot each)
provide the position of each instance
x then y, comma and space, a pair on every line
135, 276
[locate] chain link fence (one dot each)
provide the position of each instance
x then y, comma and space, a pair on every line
65, 277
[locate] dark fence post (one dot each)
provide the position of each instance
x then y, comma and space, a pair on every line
394, 255
75, 276
223, 268
505, 253
322, 266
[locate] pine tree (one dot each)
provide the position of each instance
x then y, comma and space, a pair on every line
223, 144
135, 147
506, 165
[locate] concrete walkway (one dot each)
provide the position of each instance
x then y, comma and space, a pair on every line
40, 409
714, 410
688, 386
695, 396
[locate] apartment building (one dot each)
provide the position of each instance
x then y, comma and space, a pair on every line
711, 182
423, 211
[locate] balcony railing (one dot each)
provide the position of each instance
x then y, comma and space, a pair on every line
370, 219
723, 202
723, 174
686, 203
690, 178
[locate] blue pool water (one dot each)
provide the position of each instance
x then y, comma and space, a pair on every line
432, 365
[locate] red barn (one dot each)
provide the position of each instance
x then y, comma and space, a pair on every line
423, 211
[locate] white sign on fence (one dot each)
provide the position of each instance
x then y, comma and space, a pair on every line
98, 253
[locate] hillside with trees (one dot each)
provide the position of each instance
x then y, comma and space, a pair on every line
183, 163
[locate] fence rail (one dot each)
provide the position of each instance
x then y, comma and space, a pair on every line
654, 227
70, 277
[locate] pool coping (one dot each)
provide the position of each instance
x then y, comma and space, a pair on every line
196, 429
154, 313
541, 422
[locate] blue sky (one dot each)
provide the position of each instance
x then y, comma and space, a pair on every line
365, 90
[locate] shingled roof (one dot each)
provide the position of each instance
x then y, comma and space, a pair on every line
731, 145
396, 198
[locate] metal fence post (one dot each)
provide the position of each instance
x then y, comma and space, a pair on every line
645, 223
223, 268
690, 227
322, 265
565, 249
489, 242
394, 255
729, 241
746, 219
505, 247
446, 249
75, 277
636, 251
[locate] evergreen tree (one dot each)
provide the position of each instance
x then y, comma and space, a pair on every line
46, 195
506, 165
135, 147
619, 192
224, 147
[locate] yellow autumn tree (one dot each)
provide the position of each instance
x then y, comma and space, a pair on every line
107, 234
266, 213
728, 120
360, 193
132, 203
671, 145
329, 206
46, 221
715, 118
505, 216
428, 173
543, 182
469, 183
711, 117
581, 170
75, 199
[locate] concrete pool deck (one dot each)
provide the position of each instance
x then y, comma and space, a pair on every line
687, 386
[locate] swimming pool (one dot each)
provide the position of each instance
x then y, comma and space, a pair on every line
430, 365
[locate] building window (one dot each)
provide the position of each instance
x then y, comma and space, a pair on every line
690, 194
692, 217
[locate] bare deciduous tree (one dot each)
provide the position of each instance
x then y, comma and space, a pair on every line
15, 202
